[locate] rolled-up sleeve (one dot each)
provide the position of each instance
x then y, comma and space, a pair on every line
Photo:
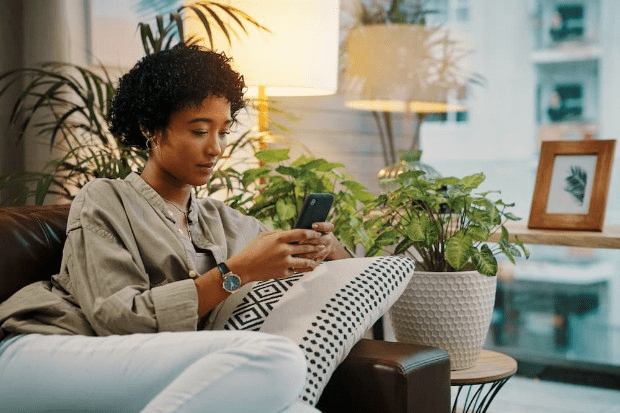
176, 305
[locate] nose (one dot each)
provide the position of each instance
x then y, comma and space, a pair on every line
214, 146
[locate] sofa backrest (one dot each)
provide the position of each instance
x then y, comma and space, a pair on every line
31, 243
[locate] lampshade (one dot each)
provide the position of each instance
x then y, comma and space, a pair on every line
401, 68
300, 55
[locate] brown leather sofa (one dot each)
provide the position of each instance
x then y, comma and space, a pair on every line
377, 376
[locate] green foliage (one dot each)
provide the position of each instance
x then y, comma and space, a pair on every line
67, 105
442, 224
274, 191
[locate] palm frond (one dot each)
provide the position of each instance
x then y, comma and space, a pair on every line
168, 32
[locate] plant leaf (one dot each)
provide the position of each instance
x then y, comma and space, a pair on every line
484, 261
458, 250
272, 155
285, 211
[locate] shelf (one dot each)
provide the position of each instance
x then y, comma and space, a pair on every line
608, 238
569, 53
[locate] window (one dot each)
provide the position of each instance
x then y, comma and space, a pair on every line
436, 11
566, 103
462, 11
567, 23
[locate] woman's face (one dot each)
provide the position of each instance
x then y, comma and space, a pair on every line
195, 139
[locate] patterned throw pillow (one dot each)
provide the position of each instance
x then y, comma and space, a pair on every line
325, 311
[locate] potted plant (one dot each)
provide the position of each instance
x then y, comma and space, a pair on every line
274, 191
445, 227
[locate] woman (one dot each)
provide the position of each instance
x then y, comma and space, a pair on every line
143, 255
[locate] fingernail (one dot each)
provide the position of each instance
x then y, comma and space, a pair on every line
315, 226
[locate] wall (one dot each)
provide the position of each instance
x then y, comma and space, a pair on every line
53, 31
32, 32
11, 51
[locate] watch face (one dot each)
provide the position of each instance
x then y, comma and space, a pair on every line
232, 283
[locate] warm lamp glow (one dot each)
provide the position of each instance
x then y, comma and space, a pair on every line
401, 68
402, 106
300, 55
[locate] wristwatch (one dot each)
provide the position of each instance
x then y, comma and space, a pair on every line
232, 282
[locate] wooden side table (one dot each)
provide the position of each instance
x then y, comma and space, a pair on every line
492, 369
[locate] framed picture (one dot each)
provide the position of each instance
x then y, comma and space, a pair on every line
572, 184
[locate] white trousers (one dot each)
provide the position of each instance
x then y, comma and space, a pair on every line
205, 371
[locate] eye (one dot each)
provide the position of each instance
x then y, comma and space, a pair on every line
200, 132
224, 133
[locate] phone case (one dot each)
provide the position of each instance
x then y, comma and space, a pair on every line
314, 209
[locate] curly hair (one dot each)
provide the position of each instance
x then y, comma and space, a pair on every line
165, 82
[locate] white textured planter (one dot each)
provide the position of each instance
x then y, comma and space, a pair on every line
449, 310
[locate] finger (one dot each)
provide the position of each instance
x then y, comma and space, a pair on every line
302, 264
308, 269
324, 239
324, 227
315, 257
305, 249
298, 235
313, 241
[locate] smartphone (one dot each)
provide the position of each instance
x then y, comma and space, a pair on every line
314, 209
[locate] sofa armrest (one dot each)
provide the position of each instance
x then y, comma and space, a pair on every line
380, 376
31, 243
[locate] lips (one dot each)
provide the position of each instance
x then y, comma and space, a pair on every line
206, 168
208, 165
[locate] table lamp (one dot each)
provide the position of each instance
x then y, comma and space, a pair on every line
297, 57
404, 68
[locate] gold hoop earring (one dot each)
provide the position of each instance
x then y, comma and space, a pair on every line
149, 144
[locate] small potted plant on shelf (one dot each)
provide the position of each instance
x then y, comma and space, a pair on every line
445, 227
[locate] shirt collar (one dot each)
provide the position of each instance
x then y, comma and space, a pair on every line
153, 197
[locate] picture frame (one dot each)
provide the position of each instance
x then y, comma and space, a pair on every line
572, 183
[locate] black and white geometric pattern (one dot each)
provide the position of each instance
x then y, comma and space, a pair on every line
342, 317
258, 303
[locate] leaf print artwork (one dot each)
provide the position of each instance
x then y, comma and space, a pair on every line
576, 183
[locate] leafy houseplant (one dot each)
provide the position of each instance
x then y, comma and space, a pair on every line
444, 226
444, 222
274, 191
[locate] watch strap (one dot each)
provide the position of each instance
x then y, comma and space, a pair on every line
223, 269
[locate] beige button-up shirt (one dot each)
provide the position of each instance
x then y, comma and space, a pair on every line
125, 268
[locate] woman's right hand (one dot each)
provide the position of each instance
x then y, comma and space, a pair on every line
275, 255
270, 255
